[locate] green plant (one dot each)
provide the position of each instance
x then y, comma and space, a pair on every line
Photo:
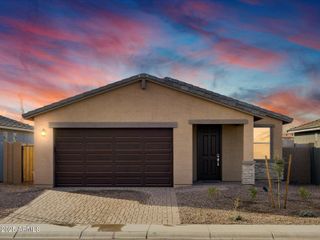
279, 168
213, 192
304, 193
253, 193
306, 213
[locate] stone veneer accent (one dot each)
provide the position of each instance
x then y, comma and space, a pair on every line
248, 172
260, 170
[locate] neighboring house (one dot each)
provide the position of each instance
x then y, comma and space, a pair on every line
307, 151
307, 133
13, 131
149, 131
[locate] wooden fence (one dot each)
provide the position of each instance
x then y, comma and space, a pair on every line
17, 163
305, 163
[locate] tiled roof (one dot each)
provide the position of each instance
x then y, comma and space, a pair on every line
13, 124
169, 82
306, 126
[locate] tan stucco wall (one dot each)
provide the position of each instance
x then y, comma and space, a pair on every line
276, 128
155, 104
232, 152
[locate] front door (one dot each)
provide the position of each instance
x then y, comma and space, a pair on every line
209, 154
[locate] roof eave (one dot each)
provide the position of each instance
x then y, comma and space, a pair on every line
16, 129
303, 130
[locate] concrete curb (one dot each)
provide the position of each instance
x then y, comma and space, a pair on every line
159, 232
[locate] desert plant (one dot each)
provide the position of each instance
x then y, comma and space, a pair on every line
304, 193
253, 193
236, 205
306, 213
279, 168
213, 192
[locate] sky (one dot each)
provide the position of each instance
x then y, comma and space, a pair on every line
264, 52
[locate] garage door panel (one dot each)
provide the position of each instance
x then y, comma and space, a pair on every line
160, 157
113, 157
66, 168
99, 168
128, 181
128, 169
68, 157
99, 158
123, 146
158, 168
98, 146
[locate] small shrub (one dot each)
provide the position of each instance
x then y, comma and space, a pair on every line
213, 192
237, 218
304, 193
253, 193
306, 213
236, 203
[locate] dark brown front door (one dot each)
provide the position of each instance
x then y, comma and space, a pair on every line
209, 155
113, 157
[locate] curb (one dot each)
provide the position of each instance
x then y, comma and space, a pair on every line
157, 232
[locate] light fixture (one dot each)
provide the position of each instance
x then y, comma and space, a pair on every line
43, 132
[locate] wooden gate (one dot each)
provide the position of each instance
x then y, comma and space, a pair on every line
18, 163
27, 162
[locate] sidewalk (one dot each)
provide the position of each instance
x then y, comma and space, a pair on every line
222, 232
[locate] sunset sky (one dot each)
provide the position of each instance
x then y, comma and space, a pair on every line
264, 52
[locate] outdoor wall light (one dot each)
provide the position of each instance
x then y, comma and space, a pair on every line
43, 132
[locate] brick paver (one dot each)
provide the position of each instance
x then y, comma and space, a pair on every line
66, 207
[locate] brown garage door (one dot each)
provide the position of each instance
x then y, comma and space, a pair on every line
113, 157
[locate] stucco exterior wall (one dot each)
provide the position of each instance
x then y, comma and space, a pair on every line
232, 152
154, 104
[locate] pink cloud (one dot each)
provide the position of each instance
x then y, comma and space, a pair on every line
307, 39
244, 55
289, 102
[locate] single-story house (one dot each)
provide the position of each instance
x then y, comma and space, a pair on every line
13, 131
308, 133
306, 151
150, 131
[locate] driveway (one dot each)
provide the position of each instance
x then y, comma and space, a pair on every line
70, 206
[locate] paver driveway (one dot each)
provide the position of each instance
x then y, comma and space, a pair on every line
70, 206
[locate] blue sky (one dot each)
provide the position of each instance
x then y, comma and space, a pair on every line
264, 52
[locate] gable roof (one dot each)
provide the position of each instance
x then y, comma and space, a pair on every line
11, 124
310, 126
171, 83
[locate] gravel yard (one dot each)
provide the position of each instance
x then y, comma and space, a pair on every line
13, 197
196, 206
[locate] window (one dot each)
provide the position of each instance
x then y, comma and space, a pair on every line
261, 142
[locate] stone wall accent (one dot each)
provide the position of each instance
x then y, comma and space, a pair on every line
260, 170
248, 172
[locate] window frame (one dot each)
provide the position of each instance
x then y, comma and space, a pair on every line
271, 127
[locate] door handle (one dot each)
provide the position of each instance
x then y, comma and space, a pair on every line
218, 159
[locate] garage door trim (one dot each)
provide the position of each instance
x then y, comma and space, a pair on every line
113, 124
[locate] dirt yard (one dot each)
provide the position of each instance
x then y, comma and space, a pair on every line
13, 197
214, 204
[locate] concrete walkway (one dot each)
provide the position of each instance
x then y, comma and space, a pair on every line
261, 232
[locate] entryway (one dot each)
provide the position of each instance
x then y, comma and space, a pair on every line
208, 152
